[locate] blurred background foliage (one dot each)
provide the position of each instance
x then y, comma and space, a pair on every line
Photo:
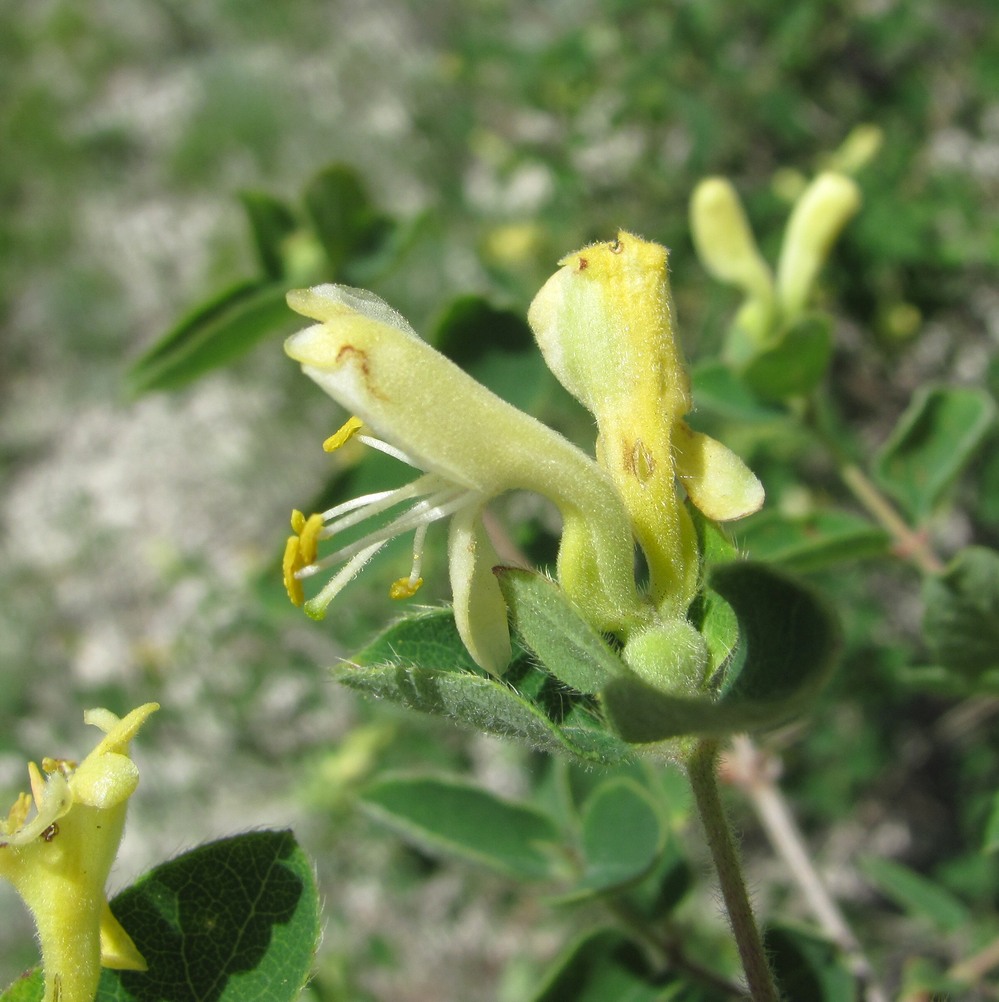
139, 535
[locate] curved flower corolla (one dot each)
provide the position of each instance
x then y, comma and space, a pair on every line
59, 859
631, 376
415, 404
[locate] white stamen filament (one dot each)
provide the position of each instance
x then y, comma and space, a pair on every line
377, 503
389, 450
339, 581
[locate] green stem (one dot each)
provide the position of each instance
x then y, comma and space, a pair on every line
701, 769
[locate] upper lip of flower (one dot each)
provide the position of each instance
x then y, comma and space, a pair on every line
420, 407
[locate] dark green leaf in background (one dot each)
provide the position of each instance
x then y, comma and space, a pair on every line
915, 894
271, 223
933, 441
788, 640
807, 966
603, 966
797, 364
234, 920
718, 390
344, 219
623, 835
495, 346
811, 542
454, 818
961, 613
214, 335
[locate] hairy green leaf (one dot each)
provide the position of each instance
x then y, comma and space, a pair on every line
420, 662
563, 641
229, 921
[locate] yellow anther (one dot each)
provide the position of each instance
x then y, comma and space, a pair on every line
19, 812
297, 522
404, 588
63, 765
343, 434
291, 563
308, 537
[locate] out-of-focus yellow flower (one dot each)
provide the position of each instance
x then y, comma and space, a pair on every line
59, 858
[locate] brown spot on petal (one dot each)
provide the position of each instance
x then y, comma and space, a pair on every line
583, 264
639, 461
51, 832
359, 357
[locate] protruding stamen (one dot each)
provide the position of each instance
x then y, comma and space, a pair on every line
408, 587
316, 607
405, 588
343, 434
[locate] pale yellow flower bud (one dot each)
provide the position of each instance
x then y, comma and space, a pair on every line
724, 240
817, 219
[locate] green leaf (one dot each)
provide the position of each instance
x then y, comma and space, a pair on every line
233, 920
622, 837
343, 217
271, 223
915, 894
961, 613
811, 542
718, 390
453, 818
991, 840
787, 644
213, 335
30, 987
495, 346
229, 921
934, 440
420, 662
807, 966
796, 365
550, 625
601, 966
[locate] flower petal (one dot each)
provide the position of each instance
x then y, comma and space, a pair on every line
717, 481
479, 607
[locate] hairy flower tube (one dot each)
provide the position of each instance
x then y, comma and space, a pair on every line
59, 858
605, 325
410, 401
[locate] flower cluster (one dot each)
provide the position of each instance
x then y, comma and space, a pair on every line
59, 858
604, 323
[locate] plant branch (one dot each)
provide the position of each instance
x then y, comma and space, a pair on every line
701, 770
755, 772
909, 544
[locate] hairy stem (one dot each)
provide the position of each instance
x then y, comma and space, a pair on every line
754, 772
703, 780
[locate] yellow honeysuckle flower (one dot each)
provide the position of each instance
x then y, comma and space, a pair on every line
605, 325
412, 403
59, 860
